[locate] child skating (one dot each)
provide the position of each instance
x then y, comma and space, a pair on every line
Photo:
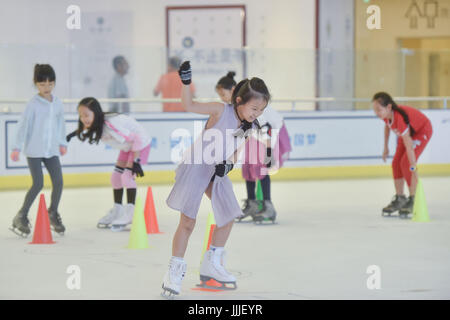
126, 134
265, 150
197, 175
41, 136
264, 153
414, 131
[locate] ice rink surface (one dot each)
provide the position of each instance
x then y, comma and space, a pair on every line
327, 235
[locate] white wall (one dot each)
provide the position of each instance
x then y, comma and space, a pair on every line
290, 24
336, 65
282, 38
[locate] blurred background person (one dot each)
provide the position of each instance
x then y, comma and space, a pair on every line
118, 87
169, 86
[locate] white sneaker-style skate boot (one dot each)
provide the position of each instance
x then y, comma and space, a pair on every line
125, 218
114, 213
173, 277
213, 273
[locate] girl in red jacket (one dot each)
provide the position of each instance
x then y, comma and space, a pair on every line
414, 131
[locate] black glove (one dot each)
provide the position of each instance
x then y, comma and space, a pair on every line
268, 131
222, 169
137, 169
268, 159
185, 73
71, 135
244, 130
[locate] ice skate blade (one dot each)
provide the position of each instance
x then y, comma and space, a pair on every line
387, 214
404, 216
18, 232
242, 220
168, 293
169, 296
118, 228
103, 226
214, 285
59, 233
202, 286
262, 221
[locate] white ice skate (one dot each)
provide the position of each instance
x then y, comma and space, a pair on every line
105, 222
173, 277
213, 274
124, 218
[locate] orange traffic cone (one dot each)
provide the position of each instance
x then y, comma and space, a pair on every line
209, 285
42, 233
150, 213
211, 231
210, 226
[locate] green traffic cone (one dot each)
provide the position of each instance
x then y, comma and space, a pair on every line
259, 194
138, 234
420, 211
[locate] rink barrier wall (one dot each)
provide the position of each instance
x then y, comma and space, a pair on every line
83, 180
325, 145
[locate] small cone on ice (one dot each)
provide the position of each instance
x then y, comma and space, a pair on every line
210, 226
420, 210
151, 222
42, 233
138, 234
259, 194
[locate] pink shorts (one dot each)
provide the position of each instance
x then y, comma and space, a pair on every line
129, 156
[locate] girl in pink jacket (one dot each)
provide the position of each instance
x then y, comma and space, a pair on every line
126, 134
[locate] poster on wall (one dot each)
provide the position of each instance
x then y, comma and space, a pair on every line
102, 37
212, 38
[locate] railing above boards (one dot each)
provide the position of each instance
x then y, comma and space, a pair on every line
308, 102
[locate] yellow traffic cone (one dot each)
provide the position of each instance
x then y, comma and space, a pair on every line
420, 211
138, 234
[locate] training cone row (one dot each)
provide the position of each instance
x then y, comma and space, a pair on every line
42, 233
144, 222
420, 211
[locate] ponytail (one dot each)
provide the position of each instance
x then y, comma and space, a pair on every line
227, 82
405, 118
384, 99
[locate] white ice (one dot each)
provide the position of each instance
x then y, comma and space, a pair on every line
327, 235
